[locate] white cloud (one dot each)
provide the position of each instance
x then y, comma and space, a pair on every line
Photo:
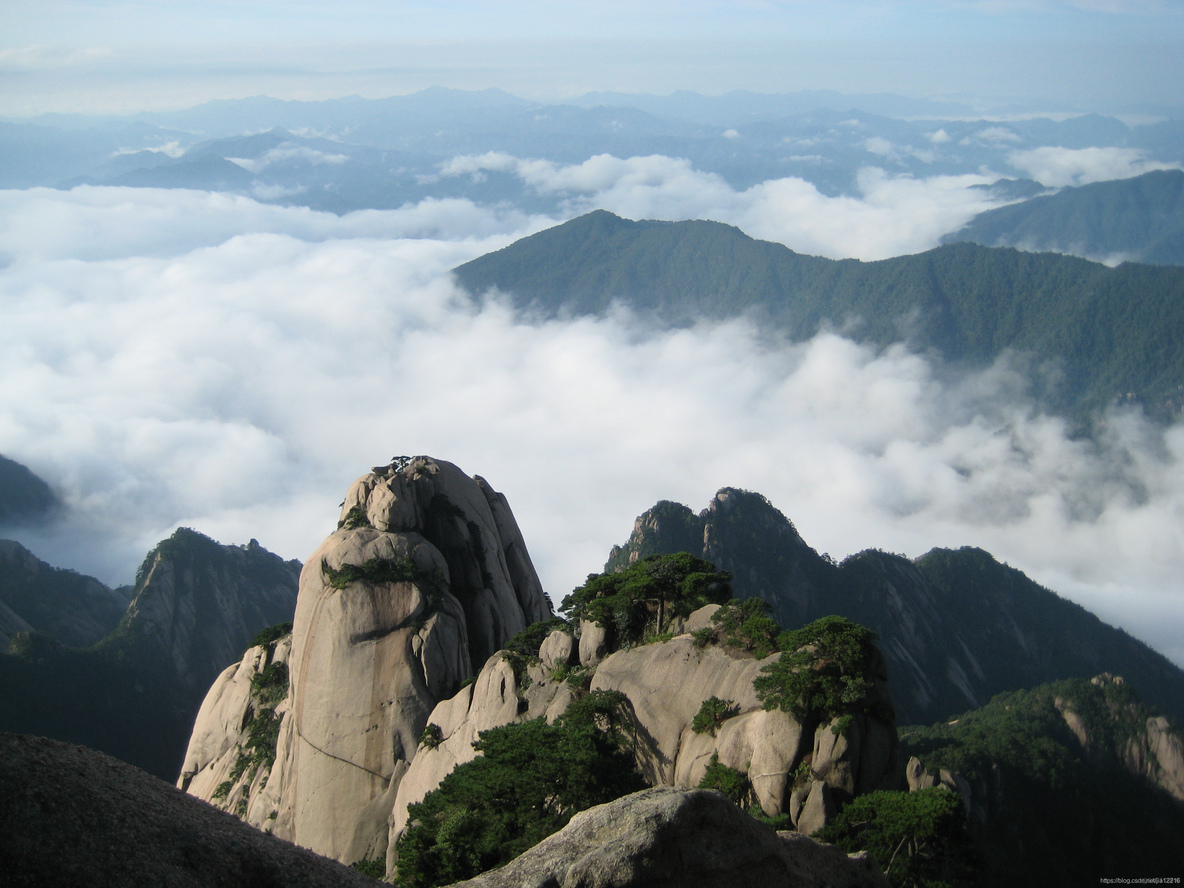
240, 379
287, 151
892, 215
1058, 167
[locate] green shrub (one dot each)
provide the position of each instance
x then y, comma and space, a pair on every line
530, 780
269, 636
639, 600
432, 736
918, 838
712, 713
746, 624
823, 671
356, 517
373, 867
732, 783
703, 637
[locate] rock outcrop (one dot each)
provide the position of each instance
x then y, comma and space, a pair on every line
956, 627
680, 839
426, 575
804, 771
73, 816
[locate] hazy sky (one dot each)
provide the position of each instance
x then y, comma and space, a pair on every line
95, 55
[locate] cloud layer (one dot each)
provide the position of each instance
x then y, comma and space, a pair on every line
175, 358
890, 217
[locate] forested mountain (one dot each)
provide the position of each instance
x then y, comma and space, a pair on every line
1136, 220
135, 692
1064, 783
1099, 334
956, 626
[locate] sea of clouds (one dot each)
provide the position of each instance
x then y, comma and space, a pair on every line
178, 358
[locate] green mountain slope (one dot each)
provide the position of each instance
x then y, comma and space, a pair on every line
1107, 333
1138, 220
1067, 783
956, 626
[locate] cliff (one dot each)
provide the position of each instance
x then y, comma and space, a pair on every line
426, 573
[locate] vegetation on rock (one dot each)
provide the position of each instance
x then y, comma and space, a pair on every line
640, 600
713, 713
731, 782
529, 781
918, 838
824, 671
747, 624
1048, 809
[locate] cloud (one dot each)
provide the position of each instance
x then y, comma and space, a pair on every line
890, 216
1059, 167
287, 151
238, 377
94, 223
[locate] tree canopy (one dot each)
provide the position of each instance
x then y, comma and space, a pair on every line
641, 599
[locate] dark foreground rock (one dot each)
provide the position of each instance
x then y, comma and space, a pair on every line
73, 816
671, 838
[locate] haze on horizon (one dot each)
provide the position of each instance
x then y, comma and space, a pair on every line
1111, 56
173, 357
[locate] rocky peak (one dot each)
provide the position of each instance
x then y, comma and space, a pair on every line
201, 602
426, 572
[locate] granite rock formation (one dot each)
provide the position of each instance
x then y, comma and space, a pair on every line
425, 575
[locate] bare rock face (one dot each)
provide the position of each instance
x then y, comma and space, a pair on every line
668, 838
426, 575
667, 683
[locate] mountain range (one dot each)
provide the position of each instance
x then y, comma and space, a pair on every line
420, 625
1090, 335
1128, 220
346, 154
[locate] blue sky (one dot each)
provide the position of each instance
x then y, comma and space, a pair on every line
73, 55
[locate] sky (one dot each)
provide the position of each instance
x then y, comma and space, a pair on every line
121, 57
179, 358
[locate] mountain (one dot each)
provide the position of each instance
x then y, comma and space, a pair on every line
134, 693
421, 625
310, 735
24, 498
1099, 334
1133, 220
75, 610
1065, 783
956, 626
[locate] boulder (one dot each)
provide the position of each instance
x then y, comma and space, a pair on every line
669, 838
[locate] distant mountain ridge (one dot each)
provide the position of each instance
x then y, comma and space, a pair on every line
1126, 220
1109, 333
956, 626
